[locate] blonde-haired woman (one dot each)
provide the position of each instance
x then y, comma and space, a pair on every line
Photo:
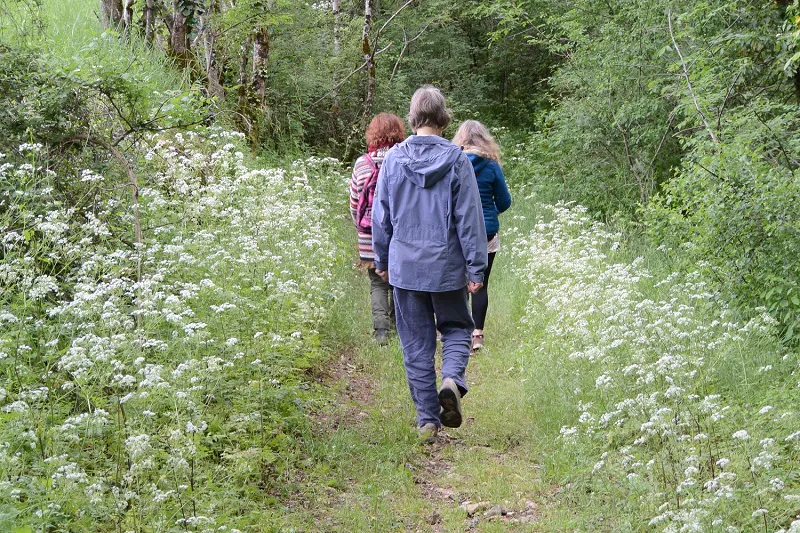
484, 153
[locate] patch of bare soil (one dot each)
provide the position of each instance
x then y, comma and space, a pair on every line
354, 392
431, 474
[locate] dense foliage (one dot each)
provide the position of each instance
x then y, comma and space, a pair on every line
684, 116
675, 415
156, 384
291, 74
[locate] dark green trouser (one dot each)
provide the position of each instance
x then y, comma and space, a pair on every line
382, 308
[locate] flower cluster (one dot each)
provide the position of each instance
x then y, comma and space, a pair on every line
681, 410
153, 380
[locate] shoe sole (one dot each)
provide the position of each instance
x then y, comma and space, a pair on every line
451, 408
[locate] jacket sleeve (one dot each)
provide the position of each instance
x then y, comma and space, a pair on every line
381, 223
502, 198
468, 215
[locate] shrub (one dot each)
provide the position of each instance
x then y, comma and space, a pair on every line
732, 209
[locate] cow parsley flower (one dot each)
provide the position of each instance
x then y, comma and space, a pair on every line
741, 435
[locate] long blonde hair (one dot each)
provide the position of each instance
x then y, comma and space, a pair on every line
475, 137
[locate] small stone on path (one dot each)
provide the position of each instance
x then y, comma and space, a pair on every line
496, 510
473, 508
446, 494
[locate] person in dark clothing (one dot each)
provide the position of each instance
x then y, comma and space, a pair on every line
484, 154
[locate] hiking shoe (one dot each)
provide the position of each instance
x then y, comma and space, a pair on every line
381, 337
477, 342
450, 400
428, 433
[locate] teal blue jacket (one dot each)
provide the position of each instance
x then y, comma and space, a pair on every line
495, 197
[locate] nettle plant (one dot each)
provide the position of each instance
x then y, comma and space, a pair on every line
684, 419
155, 385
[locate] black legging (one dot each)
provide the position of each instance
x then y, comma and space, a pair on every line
480, 300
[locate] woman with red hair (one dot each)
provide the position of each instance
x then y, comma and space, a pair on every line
383, 133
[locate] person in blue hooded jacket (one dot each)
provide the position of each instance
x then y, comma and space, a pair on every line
484, 154
430, 243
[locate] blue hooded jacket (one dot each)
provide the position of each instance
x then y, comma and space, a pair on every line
495, 197
427, 223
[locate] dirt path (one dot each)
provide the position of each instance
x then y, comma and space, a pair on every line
483, 476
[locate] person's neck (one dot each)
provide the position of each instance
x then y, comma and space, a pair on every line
427, 130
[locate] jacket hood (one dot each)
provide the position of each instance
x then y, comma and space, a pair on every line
478, 160
425, 159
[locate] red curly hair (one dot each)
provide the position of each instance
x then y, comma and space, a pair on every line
385, 130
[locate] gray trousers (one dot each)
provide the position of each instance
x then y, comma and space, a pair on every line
419, 315
379, 295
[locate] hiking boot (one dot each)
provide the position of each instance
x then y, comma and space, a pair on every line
450, 400
477, 342
428, 433
381, 337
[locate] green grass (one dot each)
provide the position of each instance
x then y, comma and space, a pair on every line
509, 451
70, 34
372, 467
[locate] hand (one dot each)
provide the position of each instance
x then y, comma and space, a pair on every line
473, 287
383, 274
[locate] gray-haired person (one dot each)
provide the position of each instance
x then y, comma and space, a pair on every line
429, 240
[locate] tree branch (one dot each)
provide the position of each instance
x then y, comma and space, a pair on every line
663, 138
353, 73
688, 81
789, 162
728, 94
383, 27
406, 42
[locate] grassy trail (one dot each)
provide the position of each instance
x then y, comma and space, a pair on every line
590, 342
381, 479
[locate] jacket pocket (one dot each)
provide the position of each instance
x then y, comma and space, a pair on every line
422, 235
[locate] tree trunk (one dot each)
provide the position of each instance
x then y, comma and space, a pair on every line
111, 13
127, 16
369, 59
260, 56
337, 23
148, 17
214, 69
179, 31
244, 80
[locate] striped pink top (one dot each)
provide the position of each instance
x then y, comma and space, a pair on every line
361, 171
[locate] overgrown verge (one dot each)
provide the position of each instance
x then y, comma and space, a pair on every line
159, 384
681, 115
663, 410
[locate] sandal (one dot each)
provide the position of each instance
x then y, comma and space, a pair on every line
477, 342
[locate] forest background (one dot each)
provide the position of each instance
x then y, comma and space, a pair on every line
674, 118
172, 263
